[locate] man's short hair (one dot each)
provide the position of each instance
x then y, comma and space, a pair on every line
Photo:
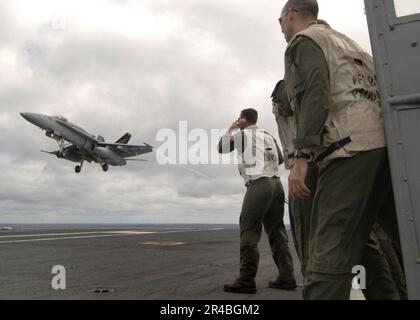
307, 8
251, 115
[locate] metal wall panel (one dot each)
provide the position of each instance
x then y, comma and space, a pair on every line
396, 50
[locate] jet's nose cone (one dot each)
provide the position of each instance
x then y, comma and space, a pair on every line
36, 119
31, 117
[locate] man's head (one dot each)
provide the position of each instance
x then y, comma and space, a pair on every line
250, 116
297, 15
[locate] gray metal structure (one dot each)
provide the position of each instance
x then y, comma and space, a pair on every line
84, 146
396, 50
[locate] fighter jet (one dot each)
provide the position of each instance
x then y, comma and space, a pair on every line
77, 145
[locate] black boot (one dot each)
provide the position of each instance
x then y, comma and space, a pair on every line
241, 286
283, 285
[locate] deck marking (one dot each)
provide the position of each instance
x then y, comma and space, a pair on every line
86, 235
67, 238
75, 233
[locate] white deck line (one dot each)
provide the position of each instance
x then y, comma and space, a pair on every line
85, 235
74, 233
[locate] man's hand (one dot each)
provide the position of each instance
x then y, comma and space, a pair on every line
297, 187
234, 126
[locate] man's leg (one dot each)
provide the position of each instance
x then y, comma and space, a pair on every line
277, 236
348, 201
387, 231
395, 264
379, 282
257, 201
300, 216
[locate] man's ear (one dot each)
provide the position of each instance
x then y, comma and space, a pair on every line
291, 16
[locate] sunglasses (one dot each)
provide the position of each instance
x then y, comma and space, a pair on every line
286, 13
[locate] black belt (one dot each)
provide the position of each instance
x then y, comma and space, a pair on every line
250, 182
332, 148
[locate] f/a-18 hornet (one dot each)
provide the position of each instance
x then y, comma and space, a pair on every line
77, 145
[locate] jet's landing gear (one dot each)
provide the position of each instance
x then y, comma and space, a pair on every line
105, 167
78, 168
61, 144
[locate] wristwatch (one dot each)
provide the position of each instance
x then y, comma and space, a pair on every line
300, 154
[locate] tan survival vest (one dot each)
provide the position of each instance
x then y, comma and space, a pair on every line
354, 110
286, 122
287, 132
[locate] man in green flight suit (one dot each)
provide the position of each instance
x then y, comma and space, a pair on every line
299, 209
332, 90
385, 278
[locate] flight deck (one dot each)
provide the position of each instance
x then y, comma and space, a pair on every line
131, 263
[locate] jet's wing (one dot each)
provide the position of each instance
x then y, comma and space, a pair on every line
127, 150
70, 152
69, 147
56, 152
76, 130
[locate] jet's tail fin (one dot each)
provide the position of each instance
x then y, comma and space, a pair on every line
124, 139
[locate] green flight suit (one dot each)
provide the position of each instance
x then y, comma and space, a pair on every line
351, 192
380, 284
300, 218
393, 259
340, 229
299, 209
264, 205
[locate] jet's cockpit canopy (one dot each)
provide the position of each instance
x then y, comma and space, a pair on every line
62, 118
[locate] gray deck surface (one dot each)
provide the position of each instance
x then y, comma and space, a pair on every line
175, 264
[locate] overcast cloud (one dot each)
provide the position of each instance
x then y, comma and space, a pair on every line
115, 66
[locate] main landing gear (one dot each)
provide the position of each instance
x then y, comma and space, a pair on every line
79, 168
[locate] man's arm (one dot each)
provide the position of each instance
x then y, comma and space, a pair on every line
311, 110
229, 142
226, 144
312, 107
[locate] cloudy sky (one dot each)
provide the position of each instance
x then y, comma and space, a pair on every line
113, 66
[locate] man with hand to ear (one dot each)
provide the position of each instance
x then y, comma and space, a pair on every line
263, 204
